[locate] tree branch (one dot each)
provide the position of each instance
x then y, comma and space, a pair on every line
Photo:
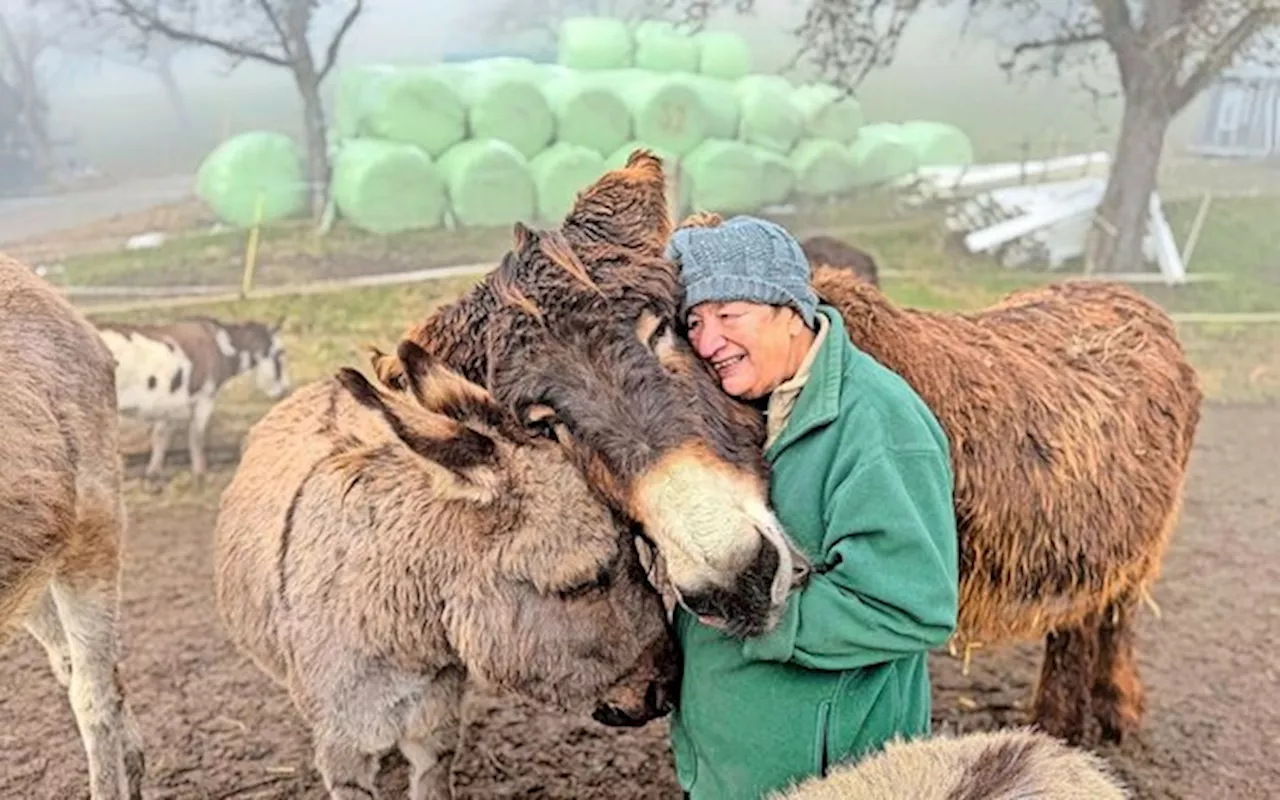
151, 23
331, 57
1222, 53
279, 29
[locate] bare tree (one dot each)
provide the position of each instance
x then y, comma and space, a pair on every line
274, 32
1165, 53
26, 40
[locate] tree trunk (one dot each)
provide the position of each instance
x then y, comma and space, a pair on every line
164, 71
1115, 242
317, 139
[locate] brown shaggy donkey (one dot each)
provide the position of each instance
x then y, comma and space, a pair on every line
1000, 765
62, 516
1071, 411
572, 331
378, 547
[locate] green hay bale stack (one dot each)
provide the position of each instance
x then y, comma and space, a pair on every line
559, 173
823, 168
721, 102
666, 110
723, 54
937, 144
595, 43
881, 153
489, 183
588, 112
662, 47
725, 176
386, 187
504, 101
236, 172
414, 105
768, 117
778, 177
828, 113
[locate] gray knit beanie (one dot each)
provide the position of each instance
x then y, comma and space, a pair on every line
745, 258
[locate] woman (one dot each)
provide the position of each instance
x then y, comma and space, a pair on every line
861, 479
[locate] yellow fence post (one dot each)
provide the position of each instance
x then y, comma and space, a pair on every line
251, 251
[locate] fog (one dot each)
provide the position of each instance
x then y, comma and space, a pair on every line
117, 117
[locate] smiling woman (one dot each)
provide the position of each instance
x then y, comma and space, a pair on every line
860, 478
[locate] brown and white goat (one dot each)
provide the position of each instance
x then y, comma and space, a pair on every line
172, 373
62, 516
999, 765
382, 545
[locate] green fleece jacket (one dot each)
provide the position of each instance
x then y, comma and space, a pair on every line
862, 482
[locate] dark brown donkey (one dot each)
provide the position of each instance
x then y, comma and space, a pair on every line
574, 333
62, 516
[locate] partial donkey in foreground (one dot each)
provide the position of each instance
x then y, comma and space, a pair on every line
381, 545
62, 516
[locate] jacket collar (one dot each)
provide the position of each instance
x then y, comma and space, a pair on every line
819, 400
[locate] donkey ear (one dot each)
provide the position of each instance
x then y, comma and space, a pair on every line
433, 437
626, 206
438, 388
521, 235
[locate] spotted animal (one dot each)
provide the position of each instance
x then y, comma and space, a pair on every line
172, 373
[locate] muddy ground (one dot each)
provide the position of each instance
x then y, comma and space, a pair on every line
216, 728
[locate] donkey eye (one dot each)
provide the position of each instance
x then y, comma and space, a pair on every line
598, 584
541, 420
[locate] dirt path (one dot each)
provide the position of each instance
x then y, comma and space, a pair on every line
216, 728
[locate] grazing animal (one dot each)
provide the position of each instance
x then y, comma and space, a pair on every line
1000, 765
573, 331
62, 516
833, 252
172, 373
379, 546
1071, 411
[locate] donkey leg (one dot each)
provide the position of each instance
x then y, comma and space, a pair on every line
1119, 700
86, 593
196, 435
348, 772
1063, 701
430, 740
42, 623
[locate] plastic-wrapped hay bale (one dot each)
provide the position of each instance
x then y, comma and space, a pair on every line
488, 183
595, 43
725, 176
385, 187
768, 118
828, 113
723, 54
778, 177
588, 112
348, 106
559, 173
881, 153
823, 168
666, 111
721, 102
938, 144
257, 163
662, 47
414, 105
504, 104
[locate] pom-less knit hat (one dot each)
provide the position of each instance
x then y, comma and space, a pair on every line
745, 258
